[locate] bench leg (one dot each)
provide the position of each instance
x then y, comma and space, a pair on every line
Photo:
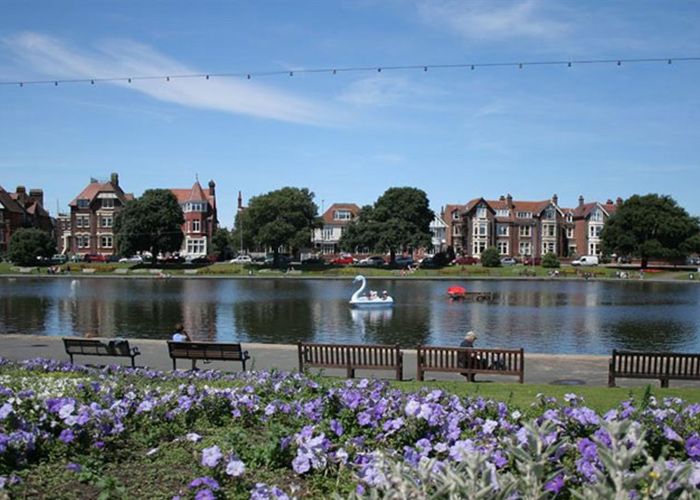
133, 361
243, 362
351, 372
664, 383
71, 358
174, 364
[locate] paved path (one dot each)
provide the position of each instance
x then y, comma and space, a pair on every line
539, 368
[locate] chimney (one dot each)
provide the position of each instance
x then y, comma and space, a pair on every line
37, 195
240, 201
618, 202
114, 179
580, 201
212, 188
609, 202
21, 194
502, 198
509, 200
555, 199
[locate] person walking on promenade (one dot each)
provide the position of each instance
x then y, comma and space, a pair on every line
181, 335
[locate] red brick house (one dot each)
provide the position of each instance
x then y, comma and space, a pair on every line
326, 239
199, 209
92, 215
20, 209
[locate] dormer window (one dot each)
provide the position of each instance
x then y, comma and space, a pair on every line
83, 203
597, 215
569, 217
192, 206
524, 215
549, 213
342, 215
481, 212
455, 215
108, 203
502, 212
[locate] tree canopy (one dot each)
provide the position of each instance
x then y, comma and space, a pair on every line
285, 217
150, 223
221, 244
651, 226
27, 244
399, 220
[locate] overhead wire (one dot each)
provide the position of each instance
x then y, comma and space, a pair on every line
248, 75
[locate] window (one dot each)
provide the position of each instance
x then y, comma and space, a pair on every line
525, 231
570, 232
83, 241
481, 212
550, 213
525, 248
549, 247
327, 233
82, 221
83, 203
569, 217
342, 215
549, 230
502, 229
593, 249
594, 232
455, 215
502, 247
106, 221
106, 241
524, 215
597, 215
481, 229
457, 230
479, 246
197, 246
108, 203
196, 226
502, 212
194, 207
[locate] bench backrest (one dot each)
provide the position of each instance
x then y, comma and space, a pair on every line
350, 355
206, 350
667, 364
456, 359
86, 346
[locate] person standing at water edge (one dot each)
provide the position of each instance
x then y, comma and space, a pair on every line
181, 335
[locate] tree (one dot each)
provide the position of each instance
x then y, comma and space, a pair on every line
150, 223
285, 217
27, 244
490, 257
550, 260
221, 244
651, 226
398, 221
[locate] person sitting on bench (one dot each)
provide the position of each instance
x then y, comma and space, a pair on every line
181, 335
477, 362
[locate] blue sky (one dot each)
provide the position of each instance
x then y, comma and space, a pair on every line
598, 130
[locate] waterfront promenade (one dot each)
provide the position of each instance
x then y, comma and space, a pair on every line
539, 368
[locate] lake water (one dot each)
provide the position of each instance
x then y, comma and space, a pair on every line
574, 317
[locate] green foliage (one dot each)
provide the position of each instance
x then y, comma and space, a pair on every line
651, 226
550, 260
398, 221
27, 244
150, 223
285, 217
222, 244
490, 257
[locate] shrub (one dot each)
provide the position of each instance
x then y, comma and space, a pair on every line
490, 257
28, 244
550, 260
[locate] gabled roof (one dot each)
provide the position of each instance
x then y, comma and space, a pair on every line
94, 188
193, 194
327, 216
8, 202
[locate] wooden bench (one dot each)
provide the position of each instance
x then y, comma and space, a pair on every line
93, 347
661, 365
351, 357
207, 351
470, 361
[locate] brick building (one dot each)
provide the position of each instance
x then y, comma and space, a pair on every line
199, 209
526, 228
90, 227
20, 209
327, 238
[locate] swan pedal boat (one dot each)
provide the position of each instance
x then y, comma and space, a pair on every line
363, 301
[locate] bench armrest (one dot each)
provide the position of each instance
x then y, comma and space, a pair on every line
135, 351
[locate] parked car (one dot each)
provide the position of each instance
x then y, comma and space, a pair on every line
343, 260
508, 261
242, 259
586, 260
428, 263
403, 261
202, 259
94, 257
465, 260
532, 261
374, 261
282, 260
134, 259
313, 261
692, 261
59, 258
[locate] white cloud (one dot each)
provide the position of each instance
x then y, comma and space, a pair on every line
383, 90
50, 58
492, 20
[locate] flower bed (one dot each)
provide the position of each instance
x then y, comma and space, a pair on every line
138, 433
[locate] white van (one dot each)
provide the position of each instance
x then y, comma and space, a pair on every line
586, 260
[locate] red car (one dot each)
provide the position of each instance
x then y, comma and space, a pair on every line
94, 258
532, 261
465, 260
343, 260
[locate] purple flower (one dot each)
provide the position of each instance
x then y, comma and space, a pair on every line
692, 446
99, 445
671, 435
67, 436
587, 449
205, 494
337, 427
73, 467
211, 456
555, 485
235, 467
207, 481
5, 410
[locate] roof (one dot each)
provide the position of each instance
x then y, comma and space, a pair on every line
193, 194
8, 202
94, 188
328, 214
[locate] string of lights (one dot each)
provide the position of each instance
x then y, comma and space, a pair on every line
351, 69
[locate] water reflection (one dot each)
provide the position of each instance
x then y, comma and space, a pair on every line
551, 316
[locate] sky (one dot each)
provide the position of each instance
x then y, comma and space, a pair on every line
598, 130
